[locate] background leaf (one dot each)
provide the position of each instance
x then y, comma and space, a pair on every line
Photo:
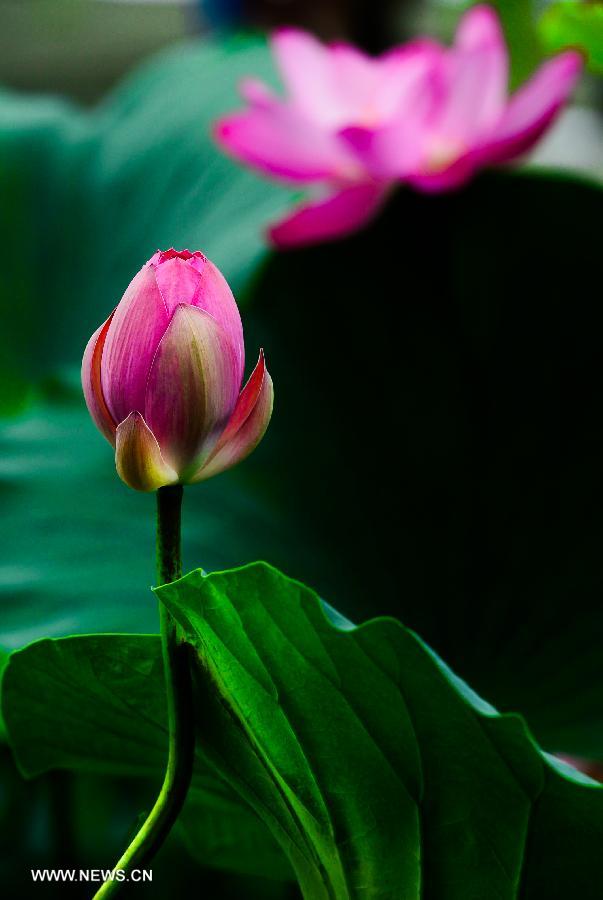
79, 545
88, 694
575, 25
517, 17
3, 663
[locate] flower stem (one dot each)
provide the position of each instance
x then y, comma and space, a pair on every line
176, 662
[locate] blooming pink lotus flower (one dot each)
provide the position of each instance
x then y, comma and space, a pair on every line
162, 376
352, 126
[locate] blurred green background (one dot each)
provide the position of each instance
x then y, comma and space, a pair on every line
457, 485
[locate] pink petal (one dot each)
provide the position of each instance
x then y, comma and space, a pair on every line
448, 98
91, 382
178, 282
193, 257
532, 108
256, 93
369, 91
280, 140
138, 458
339, 85
197, 281
479, 27
246, 427
330, 217
192, 388
476, 70
356, 81
135, 331
452, 176
390, 152
216, 298
246, 401
529, 113
402, 75
414, 94
305, 65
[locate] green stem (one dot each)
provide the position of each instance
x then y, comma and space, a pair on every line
176, 661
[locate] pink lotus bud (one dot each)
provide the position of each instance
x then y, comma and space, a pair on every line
352, 126
162, 376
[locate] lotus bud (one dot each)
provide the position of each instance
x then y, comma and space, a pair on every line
162, 376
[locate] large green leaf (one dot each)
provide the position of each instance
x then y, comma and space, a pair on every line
96, 704
575, 25
230, 836
378, 772
89, 196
